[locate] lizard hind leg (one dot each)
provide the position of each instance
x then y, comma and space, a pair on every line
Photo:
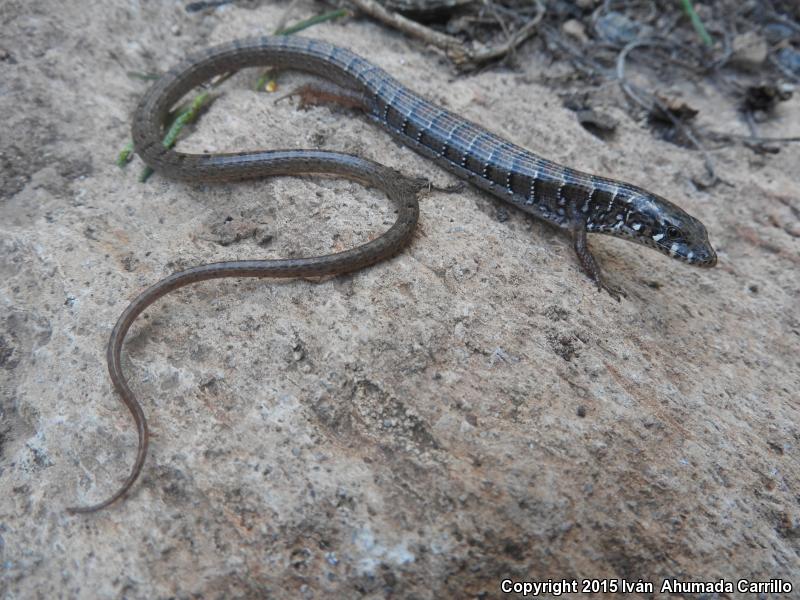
327, 93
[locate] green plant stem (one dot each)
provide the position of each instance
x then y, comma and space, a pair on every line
311, 21
697, 23
125, 155
186, 116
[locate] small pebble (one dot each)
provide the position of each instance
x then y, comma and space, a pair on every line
749, 50
777, 32
575, 29
789, 59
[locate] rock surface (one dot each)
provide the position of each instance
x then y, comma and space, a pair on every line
469, 411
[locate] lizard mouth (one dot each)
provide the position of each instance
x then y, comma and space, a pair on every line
704, 257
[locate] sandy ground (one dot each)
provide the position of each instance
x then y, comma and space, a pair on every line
469, 411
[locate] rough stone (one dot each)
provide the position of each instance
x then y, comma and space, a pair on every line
469, 411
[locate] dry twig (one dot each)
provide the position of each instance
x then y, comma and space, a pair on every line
462, 56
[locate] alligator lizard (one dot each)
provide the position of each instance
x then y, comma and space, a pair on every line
576, 201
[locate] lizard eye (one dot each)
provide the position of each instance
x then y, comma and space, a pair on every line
672, 232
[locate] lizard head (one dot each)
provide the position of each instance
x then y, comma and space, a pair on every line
648, 219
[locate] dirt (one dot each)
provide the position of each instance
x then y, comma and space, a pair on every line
470, 411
